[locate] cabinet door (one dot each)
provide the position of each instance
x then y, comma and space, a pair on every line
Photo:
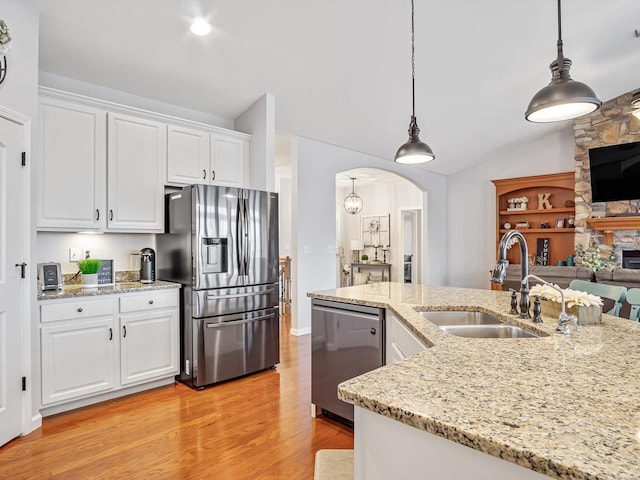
136, 157
229, 155
71, 166
187, 156
400, 342
148, 345
77, 359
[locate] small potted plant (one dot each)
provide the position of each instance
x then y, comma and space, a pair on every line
365, 258
89, 268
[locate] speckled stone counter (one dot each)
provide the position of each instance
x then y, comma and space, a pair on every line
567, 407
72, 291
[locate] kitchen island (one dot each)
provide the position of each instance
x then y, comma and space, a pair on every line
560, 407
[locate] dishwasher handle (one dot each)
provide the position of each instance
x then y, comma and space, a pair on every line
348, 313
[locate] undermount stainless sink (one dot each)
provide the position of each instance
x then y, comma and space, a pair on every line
487, 331
462, 323
460, 317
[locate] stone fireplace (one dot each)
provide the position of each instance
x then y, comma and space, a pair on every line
611, 125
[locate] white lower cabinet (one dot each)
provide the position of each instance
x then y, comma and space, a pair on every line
77, 359
400, 343
94, 345
149, 339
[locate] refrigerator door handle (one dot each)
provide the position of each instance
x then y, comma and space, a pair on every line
240, 295
246, 237
239, 235
239, 322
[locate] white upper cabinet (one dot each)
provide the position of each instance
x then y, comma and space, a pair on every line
103, 166
187, 156
211, 158
229, 155
71, 168
136, 154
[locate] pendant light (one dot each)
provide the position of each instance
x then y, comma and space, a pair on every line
563, 98
414, 151
353, 203
635, 103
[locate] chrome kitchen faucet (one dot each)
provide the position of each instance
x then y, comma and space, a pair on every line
500, 269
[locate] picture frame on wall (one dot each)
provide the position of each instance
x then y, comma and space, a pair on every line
375, 230
560, 223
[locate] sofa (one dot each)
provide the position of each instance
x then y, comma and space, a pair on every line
562, 276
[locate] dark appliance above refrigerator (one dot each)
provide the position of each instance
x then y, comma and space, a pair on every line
221, 244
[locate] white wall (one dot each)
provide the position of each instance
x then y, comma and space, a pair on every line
117, 96
314, 167
471, 202
54, 247
260, 121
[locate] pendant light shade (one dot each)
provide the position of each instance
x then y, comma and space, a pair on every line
353, 203
563, 98
414, 151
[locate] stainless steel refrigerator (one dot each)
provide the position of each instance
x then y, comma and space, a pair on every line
221, 244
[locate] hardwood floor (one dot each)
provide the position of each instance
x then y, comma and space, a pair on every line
258, 427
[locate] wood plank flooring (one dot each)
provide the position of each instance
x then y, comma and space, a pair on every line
258, 427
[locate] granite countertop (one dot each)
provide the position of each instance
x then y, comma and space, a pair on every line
566, 407
73, 291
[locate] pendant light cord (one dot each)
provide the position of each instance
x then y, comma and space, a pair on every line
413, 63
560, 52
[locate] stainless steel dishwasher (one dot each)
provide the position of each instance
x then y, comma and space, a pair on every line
346, 341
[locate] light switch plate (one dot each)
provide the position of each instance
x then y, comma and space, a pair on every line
75, 254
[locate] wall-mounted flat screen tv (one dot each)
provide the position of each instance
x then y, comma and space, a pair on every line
615, 172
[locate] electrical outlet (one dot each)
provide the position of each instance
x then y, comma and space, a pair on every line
75, 254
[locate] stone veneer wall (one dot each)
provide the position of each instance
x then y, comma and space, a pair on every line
610, 125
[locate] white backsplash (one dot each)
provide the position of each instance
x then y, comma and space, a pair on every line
119, 247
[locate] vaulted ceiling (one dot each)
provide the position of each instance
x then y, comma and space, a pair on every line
340, 69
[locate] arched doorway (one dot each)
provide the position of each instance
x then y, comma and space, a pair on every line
388, 230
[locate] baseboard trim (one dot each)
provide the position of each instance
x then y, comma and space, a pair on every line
83, 402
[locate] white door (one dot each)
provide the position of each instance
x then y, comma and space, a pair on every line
12, 214
136, 156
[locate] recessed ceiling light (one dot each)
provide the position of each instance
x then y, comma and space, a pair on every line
200, 27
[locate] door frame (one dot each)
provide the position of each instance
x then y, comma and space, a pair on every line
28, 298
416, 240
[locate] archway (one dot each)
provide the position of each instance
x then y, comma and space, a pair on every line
388, 229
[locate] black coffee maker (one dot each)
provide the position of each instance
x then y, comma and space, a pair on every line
147, 265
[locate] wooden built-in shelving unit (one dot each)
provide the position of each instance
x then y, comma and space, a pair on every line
561, 187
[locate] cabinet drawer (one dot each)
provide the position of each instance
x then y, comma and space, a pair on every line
77, 309
149, 300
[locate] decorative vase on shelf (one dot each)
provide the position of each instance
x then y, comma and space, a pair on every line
89, 280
